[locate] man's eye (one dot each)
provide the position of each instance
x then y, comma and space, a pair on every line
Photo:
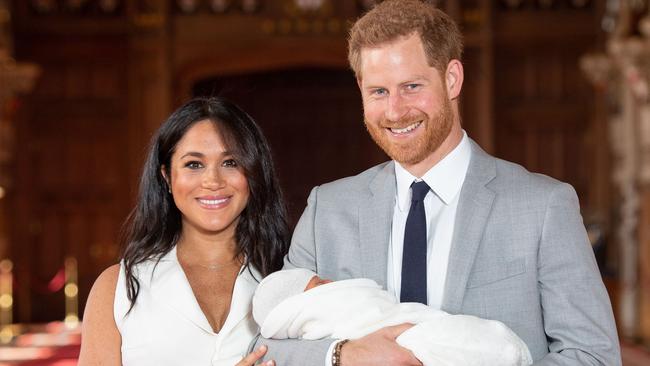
193, 165
412, 86
379, 92
230, 163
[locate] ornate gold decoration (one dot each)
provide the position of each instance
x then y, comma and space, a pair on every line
623, 71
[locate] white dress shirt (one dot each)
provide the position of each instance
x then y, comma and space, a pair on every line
445, 179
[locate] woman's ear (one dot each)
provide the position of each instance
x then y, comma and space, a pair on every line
454, 78
163, 172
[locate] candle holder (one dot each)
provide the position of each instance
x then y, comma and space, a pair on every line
71, 291
6, 301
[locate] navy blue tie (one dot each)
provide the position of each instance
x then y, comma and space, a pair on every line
414, 258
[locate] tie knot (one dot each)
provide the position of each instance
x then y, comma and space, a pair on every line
420, 189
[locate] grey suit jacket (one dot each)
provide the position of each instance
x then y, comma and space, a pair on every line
519, 254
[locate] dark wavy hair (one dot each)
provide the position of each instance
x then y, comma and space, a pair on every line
154, 226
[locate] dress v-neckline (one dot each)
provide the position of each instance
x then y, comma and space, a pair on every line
173, 288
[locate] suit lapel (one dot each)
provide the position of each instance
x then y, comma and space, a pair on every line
474, 206
375, 217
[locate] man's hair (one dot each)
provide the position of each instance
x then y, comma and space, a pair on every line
393, 19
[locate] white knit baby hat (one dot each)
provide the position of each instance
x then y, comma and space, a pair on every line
277, 287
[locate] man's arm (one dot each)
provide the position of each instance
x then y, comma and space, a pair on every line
578, 318
289, 352
302, 253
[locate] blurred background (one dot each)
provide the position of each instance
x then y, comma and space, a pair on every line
559, 86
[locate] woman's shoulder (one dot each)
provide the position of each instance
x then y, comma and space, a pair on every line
109, 275
103, 290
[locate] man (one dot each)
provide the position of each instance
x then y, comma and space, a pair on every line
482, 237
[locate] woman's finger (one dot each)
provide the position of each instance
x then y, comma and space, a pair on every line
254, 356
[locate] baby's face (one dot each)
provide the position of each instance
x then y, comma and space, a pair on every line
316, 281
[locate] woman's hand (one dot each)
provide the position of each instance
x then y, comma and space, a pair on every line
254, 356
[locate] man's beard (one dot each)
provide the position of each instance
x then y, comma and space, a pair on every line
414, 151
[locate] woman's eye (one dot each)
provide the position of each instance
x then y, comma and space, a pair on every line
230, 163
193, 165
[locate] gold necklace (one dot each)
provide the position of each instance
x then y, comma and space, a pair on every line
211, 267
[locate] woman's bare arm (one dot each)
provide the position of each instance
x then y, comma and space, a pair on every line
100, 339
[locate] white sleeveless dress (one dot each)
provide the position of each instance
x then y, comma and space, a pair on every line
167, 327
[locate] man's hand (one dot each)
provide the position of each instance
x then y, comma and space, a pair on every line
379, 348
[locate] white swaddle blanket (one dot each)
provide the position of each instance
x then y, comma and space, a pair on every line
353, 308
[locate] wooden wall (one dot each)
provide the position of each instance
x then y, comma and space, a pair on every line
544, 105
72, 166
110, 78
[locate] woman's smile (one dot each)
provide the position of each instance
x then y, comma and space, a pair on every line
213, 202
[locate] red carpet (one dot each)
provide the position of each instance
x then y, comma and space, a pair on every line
47, 344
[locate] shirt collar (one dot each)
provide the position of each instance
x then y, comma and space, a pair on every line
445, 178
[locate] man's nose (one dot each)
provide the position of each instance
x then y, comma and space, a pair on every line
396, 108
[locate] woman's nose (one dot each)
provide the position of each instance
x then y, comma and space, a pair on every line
212, 179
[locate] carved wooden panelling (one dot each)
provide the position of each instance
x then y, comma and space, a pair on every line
76, 7
543, 104
548, 5
72, 186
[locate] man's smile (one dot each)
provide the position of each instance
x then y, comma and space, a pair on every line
405, 130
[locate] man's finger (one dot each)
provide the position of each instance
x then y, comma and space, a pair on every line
394, 331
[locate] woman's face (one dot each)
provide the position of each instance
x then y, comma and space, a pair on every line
208, 185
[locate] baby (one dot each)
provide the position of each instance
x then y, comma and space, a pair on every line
298, 304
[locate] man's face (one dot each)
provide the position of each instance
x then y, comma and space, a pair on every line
407, 110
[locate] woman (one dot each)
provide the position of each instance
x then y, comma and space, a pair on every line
208, 225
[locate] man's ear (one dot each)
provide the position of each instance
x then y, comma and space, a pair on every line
454, 78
